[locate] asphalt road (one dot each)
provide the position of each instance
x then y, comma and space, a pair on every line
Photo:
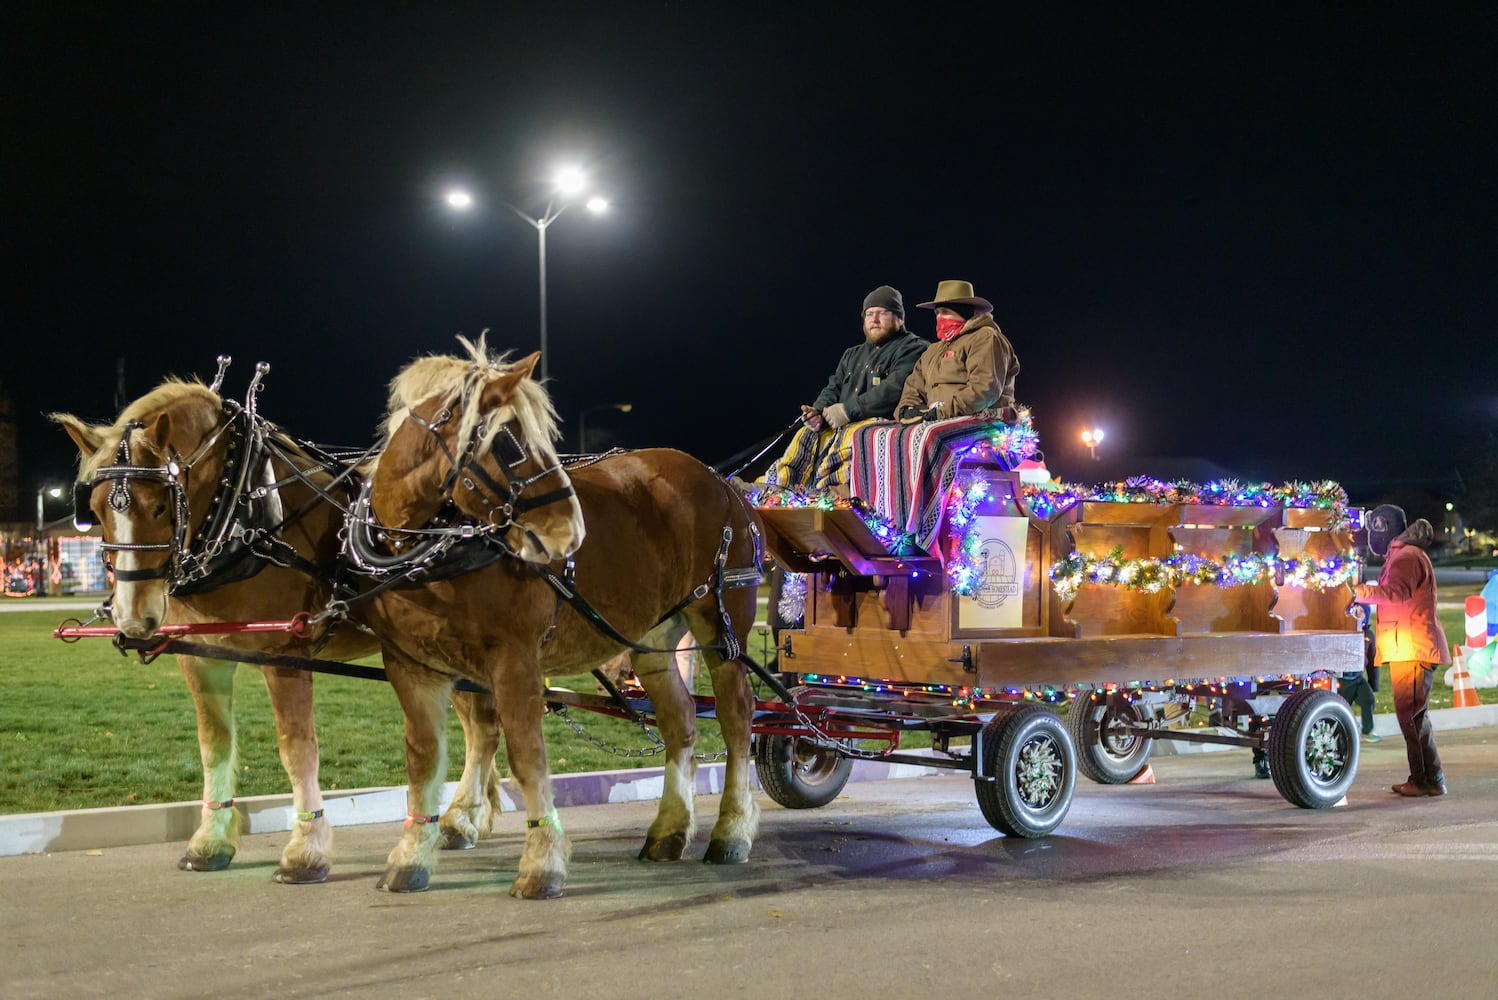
1203, 884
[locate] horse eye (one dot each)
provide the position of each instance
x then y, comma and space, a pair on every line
159, 511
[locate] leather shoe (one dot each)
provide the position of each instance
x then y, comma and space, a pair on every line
1410, 790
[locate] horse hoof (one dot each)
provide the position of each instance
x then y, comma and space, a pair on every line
206, 863
404, 880
727, 852
457, 840
301, 876
668, 848
537, 887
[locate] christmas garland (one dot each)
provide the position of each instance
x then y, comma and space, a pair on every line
1046, 499
1150, 575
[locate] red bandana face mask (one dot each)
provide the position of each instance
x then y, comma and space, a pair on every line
948, 327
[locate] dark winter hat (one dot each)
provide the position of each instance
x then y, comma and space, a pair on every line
1385, 523
885, 297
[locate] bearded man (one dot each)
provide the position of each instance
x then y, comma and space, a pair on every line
865, 387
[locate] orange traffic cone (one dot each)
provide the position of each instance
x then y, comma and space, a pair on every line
1146, 776
1463, 694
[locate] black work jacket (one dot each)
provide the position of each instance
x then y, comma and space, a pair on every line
869, 378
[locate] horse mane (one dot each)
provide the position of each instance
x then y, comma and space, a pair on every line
457, 378
170, 392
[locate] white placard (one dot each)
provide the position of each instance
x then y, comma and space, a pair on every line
998, 600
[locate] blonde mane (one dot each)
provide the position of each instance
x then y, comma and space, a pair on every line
168, 393
463, 379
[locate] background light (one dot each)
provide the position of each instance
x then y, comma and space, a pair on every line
458, 199
570, 180
597, 204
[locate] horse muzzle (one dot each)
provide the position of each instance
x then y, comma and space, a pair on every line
138, 628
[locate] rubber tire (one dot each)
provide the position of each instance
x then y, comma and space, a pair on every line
1321, 718
1095, 758
1008, 739
798, 773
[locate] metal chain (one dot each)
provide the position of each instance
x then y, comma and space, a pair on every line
627, 752
570, 462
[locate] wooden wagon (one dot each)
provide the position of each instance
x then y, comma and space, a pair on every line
888, 643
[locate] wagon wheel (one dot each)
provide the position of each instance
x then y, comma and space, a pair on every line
1107, 753
798, 773
1313, 749
1029, 769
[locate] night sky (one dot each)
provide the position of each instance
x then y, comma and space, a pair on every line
1266, 240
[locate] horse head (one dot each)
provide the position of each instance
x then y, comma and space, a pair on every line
140, 479
478, 432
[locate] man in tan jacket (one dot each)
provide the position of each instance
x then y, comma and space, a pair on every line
970, 368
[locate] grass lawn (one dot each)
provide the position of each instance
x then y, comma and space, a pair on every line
82, 726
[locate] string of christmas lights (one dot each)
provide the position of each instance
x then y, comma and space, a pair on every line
895, 540
1045, 500
972, 697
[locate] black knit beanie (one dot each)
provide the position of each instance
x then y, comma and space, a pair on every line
885, 297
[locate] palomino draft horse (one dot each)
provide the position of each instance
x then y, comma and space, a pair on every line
176, 482
669, 548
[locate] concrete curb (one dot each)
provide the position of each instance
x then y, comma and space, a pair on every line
121, 826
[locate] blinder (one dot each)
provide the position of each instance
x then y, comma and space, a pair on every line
83, 510
509, 450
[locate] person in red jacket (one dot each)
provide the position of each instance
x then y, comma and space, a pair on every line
1408, 638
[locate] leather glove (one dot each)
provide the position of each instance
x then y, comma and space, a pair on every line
915, 414
836, 415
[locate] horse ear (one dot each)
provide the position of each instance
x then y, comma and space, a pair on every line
161, 430
527, 364
87, 437
498, 392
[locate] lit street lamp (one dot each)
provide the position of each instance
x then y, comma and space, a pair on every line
54, 492
1092, 439
568, 183
582, 420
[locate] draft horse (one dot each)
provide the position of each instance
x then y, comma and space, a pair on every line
656, 545
210, 514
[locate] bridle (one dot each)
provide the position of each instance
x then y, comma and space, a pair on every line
181, 563
504, 500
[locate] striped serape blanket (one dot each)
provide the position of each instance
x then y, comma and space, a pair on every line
815, 460
903, 471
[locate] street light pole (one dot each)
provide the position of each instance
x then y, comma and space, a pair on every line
46, 491
553, 212
569, 182
582, 421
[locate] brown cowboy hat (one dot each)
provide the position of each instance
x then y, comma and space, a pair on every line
952, 292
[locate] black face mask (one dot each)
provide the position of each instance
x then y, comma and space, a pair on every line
1385, 523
